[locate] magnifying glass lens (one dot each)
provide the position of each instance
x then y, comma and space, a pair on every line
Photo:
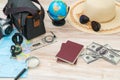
33, 62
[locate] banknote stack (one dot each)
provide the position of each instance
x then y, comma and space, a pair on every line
96, 51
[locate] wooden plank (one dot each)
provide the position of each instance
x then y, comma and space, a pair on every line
49, 69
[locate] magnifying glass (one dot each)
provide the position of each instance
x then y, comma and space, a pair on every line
32, 62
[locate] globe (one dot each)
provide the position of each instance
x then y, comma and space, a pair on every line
57, 10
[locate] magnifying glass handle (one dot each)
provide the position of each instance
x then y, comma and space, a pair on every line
20, 74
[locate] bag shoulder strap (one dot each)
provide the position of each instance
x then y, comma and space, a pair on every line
19, 9
9, 10
42, 9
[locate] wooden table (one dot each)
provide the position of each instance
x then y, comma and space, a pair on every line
49, 69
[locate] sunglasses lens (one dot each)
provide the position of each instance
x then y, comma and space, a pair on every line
84, 19
95, 26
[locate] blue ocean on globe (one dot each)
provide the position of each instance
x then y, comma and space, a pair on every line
58, 10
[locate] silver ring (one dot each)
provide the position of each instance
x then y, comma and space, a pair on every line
49, 39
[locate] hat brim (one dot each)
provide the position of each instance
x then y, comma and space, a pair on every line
110, 27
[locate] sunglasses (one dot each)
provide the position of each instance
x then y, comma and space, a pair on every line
94, 24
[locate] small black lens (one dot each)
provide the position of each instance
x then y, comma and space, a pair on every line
95, 26
8, 30
84, 19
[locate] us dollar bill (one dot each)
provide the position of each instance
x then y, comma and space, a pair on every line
89, 56
86, 52
111, 57
102, 51
95, 51
95, 47
114, 50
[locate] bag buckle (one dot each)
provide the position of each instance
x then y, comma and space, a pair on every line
36, 16
36, 20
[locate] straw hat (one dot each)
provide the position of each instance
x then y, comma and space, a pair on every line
109, 27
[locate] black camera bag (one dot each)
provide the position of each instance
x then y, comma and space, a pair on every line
27, 18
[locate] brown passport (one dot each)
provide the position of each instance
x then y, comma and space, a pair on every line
69, 52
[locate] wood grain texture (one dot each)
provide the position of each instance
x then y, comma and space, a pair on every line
49, 69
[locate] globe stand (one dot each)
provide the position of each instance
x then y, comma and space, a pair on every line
58, 23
